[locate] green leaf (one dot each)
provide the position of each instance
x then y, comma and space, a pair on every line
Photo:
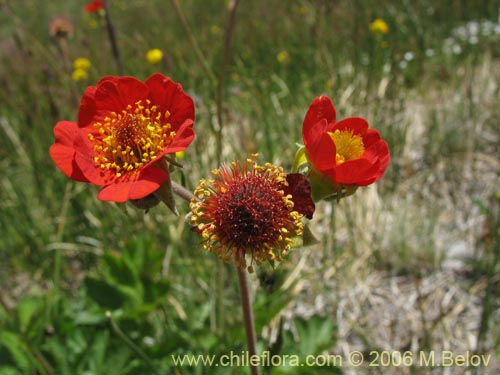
315, 334
266, 307
27, 310
7, 370
155, 291
13, 352
132, 296
105, 294
120, 270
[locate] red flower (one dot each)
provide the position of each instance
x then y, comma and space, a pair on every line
251, 209
346, 153
125, 128
94, 6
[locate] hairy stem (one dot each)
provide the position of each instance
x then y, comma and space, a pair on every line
246, 304
182, 192
58, 252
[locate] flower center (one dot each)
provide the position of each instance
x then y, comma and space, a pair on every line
244, 210
129, 140
349, 146
251, 212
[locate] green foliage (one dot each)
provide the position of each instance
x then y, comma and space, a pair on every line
311, 341
14, 351
130, 280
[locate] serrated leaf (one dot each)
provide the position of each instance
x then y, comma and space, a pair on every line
103, 293
315, 334
13, 351
27, 309
120, 270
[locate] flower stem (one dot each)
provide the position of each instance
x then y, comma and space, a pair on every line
182, 192
112, 38
246, 305
333, 226
130, 343
246, 302
58, 253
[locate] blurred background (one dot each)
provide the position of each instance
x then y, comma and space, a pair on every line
408, 264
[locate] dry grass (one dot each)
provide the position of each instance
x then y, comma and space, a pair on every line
404, 277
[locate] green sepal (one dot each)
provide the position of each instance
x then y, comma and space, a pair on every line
165, 192
323, 188
307, 238
166, 195
300, 159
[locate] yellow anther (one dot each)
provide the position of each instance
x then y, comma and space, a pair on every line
131, 138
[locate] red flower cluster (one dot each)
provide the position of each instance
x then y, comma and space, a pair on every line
345, 153
125, 128
94, 6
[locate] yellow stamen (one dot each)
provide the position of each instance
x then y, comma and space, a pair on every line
349, 146
128, 140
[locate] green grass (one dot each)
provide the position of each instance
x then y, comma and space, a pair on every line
436, 104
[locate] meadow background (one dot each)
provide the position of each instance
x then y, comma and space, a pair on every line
409, 264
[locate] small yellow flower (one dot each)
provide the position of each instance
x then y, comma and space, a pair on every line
330, 84
379, 26
180, 155
215, 30
92, 23
283, 57
79, 75
154, 56
82, 63
303, 10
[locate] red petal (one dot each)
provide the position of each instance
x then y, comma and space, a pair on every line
376, 151
146, 182
357, 125
300, 189
84, 158
379, 152
113, 94
319, 117
170, 96
384, 156
352, 172
321, 108
183, 138
371, 136
63, 152
94, 6
87, 107
320, 147
368, 169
